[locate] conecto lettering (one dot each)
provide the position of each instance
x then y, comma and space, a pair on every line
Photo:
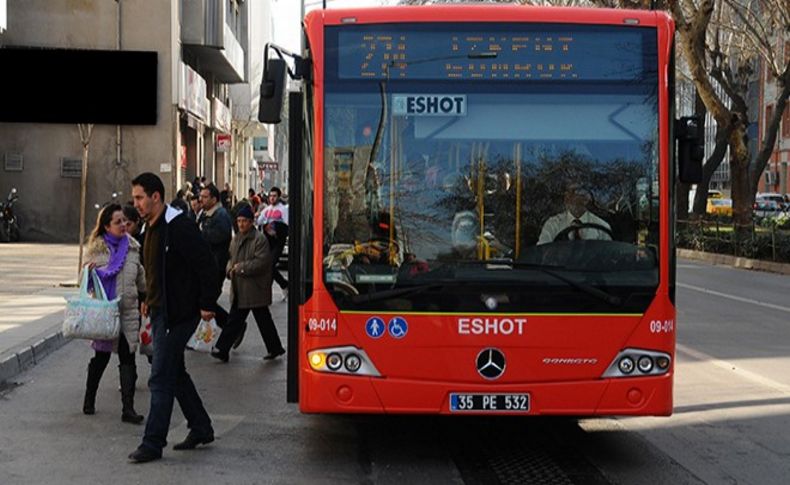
491, 326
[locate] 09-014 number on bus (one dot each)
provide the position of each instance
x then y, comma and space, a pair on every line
662, 326
322, 326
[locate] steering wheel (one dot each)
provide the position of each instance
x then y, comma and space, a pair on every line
563, 235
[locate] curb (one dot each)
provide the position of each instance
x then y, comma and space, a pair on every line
735, 262
29, 356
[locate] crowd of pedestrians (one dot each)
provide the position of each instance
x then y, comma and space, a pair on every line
168, 262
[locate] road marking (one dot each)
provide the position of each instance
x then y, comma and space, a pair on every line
729, 366
735, 297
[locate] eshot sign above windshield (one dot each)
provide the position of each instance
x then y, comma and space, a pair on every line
429, 104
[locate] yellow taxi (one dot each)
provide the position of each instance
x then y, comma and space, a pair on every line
720, 207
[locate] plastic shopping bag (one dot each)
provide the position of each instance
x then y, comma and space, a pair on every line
205, 337
91, 318
146, 337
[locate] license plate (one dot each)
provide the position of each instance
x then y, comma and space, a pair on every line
489, 402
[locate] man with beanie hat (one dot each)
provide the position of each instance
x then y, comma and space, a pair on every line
249, 270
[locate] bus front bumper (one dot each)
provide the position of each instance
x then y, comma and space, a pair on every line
641, 396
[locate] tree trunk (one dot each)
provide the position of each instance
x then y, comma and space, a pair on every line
682, 204
85, 139
711, 164
742, 197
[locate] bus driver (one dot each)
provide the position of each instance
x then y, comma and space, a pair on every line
576, 222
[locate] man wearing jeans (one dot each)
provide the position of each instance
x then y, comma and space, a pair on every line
180, 290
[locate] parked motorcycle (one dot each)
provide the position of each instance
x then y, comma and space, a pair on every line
9, 223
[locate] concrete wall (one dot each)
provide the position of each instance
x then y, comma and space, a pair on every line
49, 204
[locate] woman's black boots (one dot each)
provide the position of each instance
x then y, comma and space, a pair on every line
95, 371
128, 381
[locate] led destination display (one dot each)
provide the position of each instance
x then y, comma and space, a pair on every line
527, 52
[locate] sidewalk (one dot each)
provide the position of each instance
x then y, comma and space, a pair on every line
735, 261
32, 301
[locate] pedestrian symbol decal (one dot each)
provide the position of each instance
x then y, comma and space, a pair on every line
398, 327
374, 327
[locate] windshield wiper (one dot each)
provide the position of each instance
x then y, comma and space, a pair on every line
395, 292
499, 264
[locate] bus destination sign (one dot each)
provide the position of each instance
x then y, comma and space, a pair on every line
575, 53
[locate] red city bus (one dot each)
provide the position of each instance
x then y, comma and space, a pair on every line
481, 210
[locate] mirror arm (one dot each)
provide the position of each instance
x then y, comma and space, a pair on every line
301, 68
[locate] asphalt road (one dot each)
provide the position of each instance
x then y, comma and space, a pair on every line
732, 402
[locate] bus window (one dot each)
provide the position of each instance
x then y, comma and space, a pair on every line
466, 176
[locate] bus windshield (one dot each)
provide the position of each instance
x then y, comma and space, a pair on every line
491, 168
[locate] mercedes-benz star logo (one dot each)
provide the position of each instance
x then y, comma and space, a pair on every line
491, 363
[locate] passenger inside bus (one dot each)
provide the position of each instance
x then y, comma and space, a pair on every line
382, 246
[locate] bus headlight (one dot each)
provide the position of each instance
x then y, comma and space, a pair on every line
334, 361
353, 362
342, 360
645, 364
638, 363
626, 365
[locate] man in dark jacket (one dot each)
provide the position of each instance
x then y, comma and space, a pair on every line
180, 290
215, 225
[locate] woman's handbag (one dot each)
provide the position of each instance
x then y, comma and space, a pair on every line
92, 318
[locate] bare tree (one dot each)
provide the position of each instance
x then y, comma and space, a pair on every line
86, 131
726, 42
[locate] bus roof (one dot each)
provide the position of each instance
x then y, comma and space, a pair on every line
488, 13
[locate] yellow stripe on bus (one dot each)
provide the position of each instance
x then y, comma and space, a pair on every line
466, 314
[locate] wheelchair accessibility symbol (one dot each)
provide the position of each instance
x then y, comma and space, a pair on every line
374, 327
398, 327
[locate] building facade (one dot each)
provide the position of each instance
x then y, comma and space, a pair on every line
776, 177
203, 48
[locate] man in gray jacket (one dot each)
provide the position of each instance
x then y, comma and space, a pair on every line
250, 273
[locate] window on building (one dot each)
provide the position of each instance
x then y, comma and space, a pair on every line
260, 143
786, 122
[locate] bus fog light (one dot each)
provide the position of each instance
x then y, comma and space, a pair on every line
662, 363
626, 365
317, 360
353, 362
334, 361
645, 364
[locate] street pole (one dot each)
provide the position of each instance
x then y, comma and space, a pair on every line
118, 134
85, 139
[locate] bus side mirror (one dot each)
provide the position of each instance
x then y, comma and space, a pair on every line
272, 88
689, 132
